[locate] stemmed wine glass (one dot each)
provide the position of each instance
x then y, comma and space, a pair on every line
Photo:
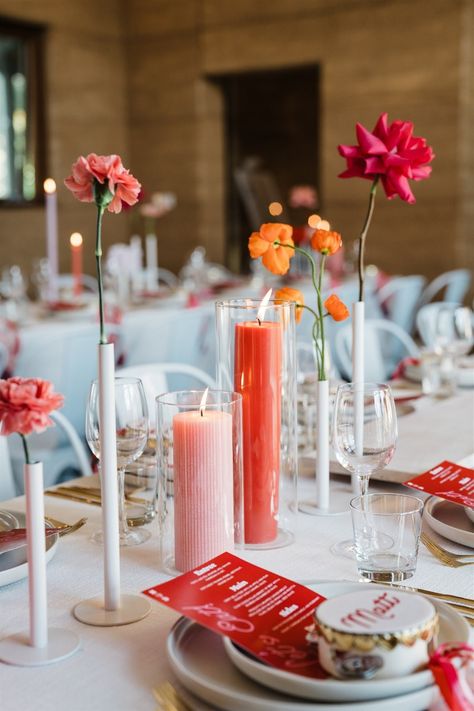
454, 330
364, 435
131, 417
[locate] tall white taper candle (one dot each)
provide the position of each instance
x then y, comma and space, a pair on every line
51, 201
151, 247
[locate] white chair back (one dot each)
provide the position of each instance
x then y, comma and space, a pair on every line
427, 319
380, 337
400, 297
159, 378
455, 284
7, 482
167, 277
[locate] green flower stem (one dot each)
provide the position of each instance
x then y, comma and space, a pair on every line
98, 259
25, 449
363, 235
318, 324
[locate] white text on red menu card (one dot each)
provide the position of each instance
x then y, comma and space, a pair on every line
448, 481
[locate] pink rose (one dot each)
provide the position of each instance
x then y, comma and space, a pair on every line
303, 196
391, 152
108, 171
25, 404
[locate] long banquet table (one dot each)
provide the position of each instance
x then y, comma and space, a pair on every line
116, 668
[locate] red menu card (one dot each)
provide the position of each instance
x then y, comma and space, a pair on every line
449, 481
259, 610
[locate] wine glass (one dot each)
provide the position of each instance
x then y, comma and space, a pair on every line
364, 435
454, 330
131, 417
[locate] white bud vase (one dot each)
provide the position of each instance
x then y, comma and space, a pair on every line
322, 445
42, 645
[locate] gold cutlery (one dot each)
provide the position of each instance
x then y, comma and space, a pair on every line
169, 699
133, 521
444, 556
95, 491
65, 528
463, 605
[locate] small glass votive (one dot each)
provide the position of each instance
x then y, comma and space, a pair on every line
387, 531
199, 459
438, 374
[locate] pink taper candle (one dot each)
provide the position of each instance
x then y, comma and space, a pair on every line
76, 262
203, 486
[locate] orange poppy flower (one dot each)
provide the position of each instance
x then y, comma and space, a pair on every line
326, 241
262, 244
336, 308
286, 293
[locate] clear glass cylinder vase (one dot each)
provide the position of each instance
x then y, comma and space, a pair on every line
199, 460
256, 357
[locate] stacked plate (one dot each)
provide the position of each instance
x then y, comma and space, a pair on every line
223, 675
13, 565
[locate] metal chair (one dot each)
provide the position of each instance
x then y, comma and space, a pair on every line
382, 338
455, 284
400, 297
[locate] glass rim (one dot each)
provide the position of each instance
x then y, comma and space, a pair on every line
123, 380
391, 495
235, 397
249, 304
365, 386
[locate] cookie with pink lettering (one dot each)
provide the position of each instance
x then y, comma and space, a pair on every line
375, 633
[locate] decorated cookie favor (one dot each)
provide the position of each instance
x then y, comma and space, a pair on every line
375, 633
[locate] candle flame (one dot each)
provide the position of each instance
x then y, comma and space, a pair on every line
75, 239
263, 305
49, 186
202, 406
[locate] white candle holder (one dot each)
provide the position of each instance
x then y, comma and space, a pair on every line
199, 459
42, 645
113, 608
257, 358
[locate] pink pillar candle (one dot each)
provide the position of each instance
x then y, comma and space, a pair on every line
203, 486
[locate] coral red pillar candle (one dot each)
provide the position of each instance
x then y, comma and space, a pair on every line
203, 486
257, 377
76, 262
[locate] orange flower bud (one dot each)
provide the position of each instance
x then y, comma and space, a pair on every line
286, 293
326, 242
275, 257
336, 308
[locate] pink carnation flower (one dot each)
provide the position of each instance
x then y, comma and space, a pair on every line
25, 405
391, 152
107, 170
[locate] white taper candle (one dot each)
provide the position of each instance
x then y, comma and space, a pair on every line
36, 545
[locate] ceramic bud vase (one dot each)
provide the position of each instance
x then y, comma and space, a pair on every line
41, 645
113, 608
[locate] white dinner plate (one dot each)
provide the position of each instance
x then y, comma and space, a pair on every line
465, 372
198, 659
449, 520
452, 628
13, 565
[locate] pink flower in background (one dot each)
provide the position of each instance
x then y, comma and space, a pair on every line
25, 405
390, 152
109, 172
303, 196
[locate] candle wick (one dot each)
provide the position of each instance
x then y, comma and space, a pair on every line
202, 411
259, 321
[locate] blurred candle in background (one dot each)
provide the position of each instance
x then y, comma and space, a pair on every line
51, 202
257, 377
76, 262
151, 247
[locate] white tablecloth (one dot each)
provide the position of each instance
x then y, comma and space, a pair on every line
116, 668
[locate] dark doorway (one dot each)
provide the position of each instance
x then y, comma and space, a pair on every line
271, 145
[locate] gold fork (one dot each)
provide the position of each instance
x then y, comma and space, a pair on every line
65, 528
169, 699
451, 559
